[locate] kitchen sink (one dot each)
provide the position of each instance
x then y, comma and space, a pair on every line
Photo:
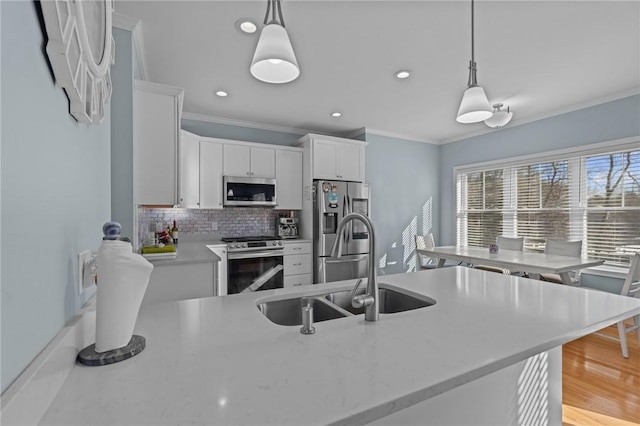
390, 301
328, 306
289, 311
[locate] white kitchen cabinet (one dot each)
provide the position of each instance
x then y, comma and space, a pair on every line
189, 171
156, 130
179, 282
289, 179
298, 263
335, 158
210, 174
246, 160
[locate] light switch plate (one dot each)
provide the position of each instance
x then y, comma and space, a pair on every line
85, 279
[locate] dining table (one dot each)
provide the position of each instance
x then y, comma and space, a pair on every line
532, 263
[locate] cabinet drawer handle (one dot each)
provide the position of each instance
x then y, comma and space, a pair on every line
297, 264
297, 284
297, 248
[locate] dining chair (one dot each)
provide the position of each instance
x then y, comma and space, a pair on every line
504, 243
631, 288
562, 248
427, 242
510, 243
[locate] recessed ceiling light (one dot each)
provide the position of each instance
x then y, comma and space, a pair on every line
222, 93
402, 74
246, 26
336, 114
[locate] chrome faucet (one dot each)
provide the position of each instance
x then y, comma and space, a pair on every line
370, 300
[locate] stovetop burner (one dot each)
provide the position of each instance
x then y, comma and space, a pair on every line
249, 238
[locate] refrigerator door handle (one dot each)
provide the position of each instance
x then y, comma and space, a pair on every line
349, 227
345, 259
345, 211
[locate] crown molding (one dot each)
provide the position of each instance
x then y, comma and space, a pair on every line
574, 107
124, 22
133, 25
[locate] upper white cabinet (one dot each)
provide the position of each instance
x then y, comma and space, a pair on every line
189, 171
289, 179
156, 131
245, 160
200, 172
204, 161
210, 174
335, 158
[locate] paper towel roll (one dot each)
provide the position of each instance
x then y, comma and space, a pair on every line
123, 277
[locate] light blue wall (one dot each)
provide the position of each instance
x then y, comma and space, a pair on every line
404, 177
605, 122
55, 193
122, 75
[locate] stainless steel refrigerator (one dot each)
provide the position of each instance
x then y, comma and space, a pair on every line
332, 201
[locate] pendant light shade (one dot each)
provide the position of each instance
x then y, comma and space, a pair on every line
499, 118
475, 106
274, 60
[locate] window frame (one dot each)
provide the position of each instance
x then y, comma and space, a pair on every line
575, 156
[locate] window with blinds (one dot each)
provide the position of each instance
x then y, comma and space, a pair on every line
593, 198
612, 214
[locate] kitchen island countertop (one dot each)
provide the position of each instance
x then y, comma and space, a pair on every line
189, 252
219, 361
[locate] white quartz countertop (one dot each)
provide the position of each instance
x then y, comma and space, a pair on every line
191, 252
219, 361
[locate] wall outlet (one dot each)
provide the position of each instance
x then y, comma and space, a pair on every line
214, 226
86, 277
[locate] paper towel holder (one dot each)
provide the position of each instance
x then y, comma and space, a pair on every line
115, 352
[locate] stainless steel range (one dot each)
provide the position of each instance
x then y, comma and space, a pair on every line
254, 263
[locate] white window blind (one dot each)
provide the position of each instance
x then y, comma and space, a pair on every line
593, 198
613, 205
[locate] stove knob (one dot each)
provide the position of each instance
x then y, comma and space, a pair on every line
279, 243
232, 246
244, 245
273, 243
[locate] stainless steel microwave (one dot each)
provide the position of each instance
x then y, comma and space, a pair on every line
248, 191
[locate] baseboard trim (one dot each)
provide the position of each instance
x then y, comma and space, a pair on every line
28, 398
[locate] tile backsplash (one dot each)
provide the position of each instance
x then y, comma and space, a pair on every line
231, 222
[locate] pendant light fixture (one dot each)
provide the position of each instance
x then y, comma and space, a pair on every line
475, 106
274, 60
499, 118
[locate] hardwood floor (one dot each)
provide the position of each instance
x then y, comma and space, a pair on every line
600, 387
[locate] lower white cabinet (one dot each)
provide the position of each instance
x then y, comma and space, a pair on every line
298, 263
172, 282
297, 280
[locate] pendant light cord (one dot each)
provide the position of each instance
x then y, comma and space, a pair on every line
472, 44
272, 5
473, 81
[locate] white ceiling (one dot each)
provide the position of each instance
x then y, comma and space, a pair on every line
539, 57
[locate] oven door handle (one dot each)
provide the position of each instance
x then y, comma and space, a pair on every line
262, 279
255, 254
